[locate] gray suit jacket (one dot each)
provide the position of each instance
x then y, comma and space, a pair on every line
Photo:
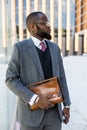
25, 68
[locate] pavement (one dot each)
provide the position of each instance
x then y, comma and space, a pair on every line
76, 74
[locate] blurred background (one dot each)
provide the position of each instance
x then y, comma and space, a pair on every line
68, 20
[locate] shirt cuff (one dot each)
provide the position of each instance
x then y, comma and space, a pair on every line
67, 106
32, 99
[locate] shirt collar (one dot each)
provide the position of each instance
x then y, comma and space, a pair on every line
37, 41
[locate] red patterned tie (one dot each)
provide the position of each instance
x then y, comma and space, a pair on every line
43, 47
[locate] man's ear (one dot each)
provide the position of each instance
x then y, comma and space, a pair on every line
32, 27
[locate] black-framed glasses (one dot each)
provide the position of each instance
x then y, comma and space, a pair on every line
43, 23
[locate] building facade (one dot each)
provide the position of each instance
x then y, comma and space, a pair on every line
13, 22
81, 26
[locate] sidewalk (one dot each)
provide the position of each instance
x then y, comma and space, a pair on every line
76, 73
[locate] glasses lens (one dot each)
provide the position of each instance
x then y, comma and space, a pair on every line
44, 23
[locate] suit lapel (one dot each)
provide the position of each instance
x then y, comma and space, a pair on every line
35, 56
53, 57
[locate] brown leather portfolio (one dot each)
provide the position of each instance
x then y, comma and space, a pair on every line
48, 88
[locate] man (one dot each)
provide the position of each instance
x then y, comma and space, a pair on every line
32, 62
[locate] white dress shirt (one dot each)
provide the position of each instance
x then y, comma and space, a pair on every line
37, 42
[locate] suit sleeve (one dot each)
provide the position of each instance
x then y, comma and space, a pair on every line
63, 81
13, 81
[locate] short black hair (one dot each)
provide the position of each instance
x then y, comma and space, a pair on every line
32, 17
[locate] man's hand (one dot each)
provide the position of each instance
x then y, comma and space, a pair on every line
66, 114
44, 103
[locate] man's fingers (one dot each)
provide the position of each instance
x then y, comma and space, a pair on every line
65, 119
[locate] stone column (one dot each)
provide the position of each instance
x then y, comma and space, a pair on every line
20, 7
52, 18
27, 13
60, 23
36, 5
13, 22
68, 26
44, 6
85, 42
76, 42
4, 25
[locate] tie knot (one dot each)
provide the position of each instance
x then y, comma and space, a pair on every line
43, 47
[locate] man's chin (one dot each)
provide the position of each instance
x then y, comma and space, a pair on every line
45, 35
48, 37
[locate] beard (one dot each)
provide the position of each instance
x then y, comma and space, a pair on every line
43, 34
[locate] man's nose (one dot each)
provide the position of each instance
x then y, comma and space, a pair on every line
48, 24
